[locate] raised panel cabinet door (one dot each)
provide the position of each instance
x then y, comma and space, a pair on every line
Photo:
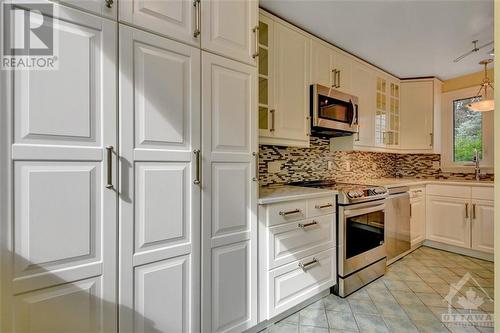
483, 225
229, 195
448, 220
417, 221
343, 64
106, 8
292, 85
160, 198
176, 19
64, 184
363, 83
230, 28
417, 112
321, 64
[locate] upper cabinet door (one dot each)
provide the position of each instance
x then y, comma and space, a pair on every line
417, 112
106, 8
65, 189
292, 86
321, 64
176, 19
230, 28
342, 75
364, 80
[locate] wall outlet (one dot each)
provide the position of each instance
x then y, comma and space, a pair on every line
436, 164
330, 165
274, 166
348, 166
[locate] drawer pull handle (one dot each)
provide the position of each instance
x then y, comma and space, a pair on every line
328, 205
309, 264
305, 225
290, 212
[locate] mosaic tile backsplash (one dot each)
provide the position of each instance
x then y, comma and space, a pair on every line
298, 164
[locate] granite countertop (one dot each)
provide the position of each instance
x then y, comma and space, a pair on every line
279, 193
394, 182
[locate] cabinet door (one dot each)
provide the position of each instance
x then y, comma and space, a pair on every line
448, 220
321, 64
292, 88
98, 7
363, 80
417, 220
229, 195
160, 203
64, 224
176, 19
228, 28
417, 99
266, 77
343, 64
482, 225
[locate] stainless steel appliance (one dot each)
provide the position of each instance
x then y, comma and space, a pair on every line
397, 231
333, 113
361, 252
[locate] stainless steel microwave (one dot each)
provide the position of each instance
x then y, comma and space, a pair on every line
333, 113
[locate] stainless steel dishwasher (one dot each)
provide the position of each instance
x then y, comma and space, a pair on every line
397, 227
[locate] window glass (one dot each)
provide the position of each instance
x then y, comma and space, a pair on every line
467, 130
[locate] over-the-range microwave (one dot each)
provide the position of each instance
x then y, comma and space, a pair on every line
333, 113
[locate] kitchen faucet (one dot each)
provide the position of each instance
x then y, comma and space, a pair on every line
475, 159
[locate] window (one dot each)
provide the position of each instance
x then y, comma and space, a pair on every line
467, 130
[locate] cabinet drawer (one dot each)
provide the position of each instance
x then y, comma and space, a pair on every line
417, 192
290, 284
320, 206
291, 241
483, 193
449, 191
286, 212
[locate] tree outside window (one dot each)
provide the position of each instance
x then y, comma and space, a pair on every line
467, 130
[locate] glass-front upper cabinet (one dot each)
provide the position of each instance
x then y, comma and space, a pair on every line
266, 108
387, 131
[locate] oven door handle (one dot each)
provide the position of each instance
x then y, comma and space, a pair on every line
362, 211
353, 110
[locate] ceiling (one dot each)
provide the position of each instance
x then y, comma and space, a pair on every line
407, 38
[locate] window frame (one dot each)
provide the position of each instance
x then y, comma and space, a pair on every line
447, 126
453, 114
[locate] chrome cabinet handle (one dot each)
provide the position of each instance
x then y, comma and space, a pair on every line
197, 18
197, 179
466, 210
305, 225
474, 211
256, 32
410, 211
290, 212
432, 139
328, 205
256, 178
109, 173
309, 264
272, 120
334, 71
338, 81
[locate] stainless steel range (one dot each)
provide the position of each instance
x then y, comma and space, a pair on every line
361, 253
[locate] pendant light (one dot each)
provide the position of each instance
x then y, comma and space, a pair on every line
484, 104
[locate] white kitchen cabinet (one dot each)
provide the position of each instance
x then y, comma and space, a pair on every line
363, 83
60, 261
106, 8
229, 195
290, 118
230, 28
417, 215
176, 19
482, 225
267, 123
342, 68
448, 220
160, 206
329, 67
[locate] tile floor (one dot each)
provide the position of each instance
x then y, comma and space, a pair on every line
409, 298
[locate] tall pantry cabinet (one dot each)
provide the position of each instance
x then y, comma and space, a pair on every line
120, 208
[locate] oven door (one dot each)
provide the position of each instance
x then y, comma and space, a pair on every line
363, 236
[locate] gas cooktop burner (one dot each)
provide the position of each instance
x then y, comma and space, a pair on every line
348, 193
